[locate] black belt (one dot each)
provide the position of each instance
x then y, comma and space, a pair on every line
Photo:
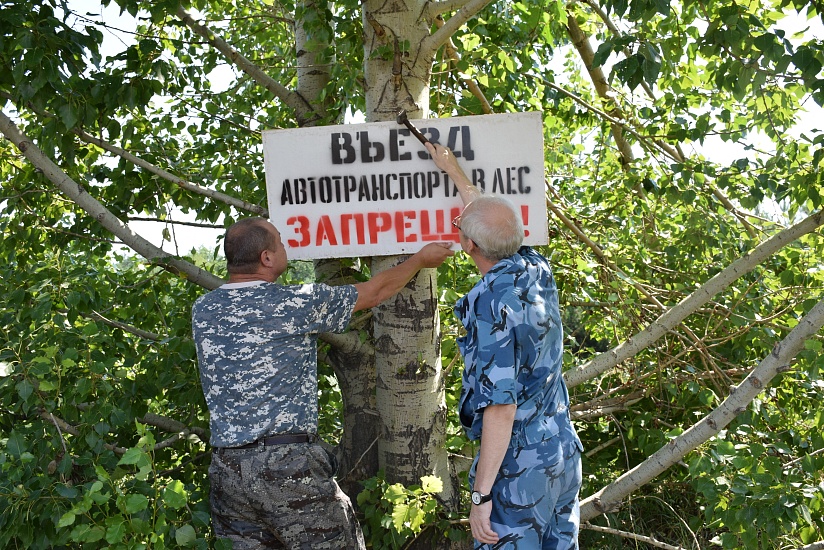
282, 439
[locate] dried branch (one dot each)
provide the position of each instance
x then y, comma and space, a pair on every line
632, 536
470, 83
740, 396
140, 333
674, 316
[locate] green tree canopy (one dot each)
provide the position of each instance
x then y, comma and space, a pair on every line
684, 184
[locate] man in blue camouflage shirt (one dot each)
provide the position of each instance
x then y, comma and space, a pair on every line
272, 484
526, 476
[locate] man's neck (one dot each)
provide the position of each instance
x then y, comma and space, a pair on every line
247, 278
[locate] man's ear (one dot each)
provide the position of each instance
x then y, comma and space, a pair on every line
266, 259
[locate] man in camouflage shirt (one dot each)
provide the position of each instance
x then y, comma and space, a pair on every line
272, 484
526, 476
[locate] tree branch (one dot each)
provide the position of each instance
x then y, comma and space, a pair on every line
63, 426
140, 333
468, 10
740, 396
632, 536
302, 109
442, 6
471, 84
611, 26
184, 184
173, 426
180, 430
674, 316
612, 120
581, 43
94, 208
600, 253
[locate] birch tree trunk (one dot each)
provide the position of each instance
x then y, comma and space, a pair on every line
410, 385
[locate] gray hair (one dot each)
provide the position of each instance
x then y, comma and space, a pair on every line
494, 225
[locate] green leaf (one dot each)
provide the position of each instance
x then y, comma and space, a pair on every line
135, 503
185, 535
24, 389
116, 530
395, 493
725, 448
66, 519
175, 495
400, 515
68, 114
431, 484
132, 456
416, 518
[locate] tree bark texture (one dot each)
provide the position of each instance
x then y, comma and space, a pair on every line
410, 386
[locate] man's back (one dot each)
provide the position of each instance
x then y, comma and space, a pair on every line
256, 345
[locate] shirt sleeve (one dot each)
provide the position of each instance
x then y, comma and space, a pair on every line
332, 307
496, 361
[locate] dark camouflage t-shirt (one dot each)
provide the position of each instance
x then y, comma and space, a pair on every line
257, 349
512, 349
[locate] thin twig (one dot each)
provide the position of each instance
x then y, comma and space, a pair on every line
627, 535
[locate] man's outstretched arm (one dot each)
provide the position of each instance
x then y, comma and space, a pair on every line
388, 283
446, 161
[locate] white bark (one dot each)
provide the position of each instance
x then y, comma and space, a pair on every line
410, 383
783, 352
94, 208
691, 303
302, 109
184, 184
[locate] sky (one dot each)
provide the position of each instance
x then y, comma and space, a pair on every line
120, 34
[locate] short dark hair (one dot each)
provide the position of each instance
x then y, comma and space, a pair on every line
245, 241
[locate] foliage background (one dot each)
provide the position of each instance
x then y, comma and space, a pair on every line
103, 429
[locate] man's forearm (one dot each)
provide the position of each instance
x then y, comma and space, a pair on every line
446, 161
497, 431
390, 282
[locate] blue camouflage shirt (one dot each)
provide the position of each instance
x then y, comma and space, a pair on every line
513, 349
257, 349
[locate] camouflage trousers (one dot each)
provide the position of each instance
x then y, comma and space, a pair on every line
535, 496
281, 496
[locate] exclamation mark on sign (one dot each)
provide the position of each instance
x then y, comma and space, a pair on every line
525, 216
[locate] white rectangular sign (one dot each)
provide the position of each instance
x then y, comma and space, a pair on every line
373, 190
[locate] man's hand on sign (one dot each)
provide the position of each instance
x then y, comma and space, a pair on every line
434, 254
388, 283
